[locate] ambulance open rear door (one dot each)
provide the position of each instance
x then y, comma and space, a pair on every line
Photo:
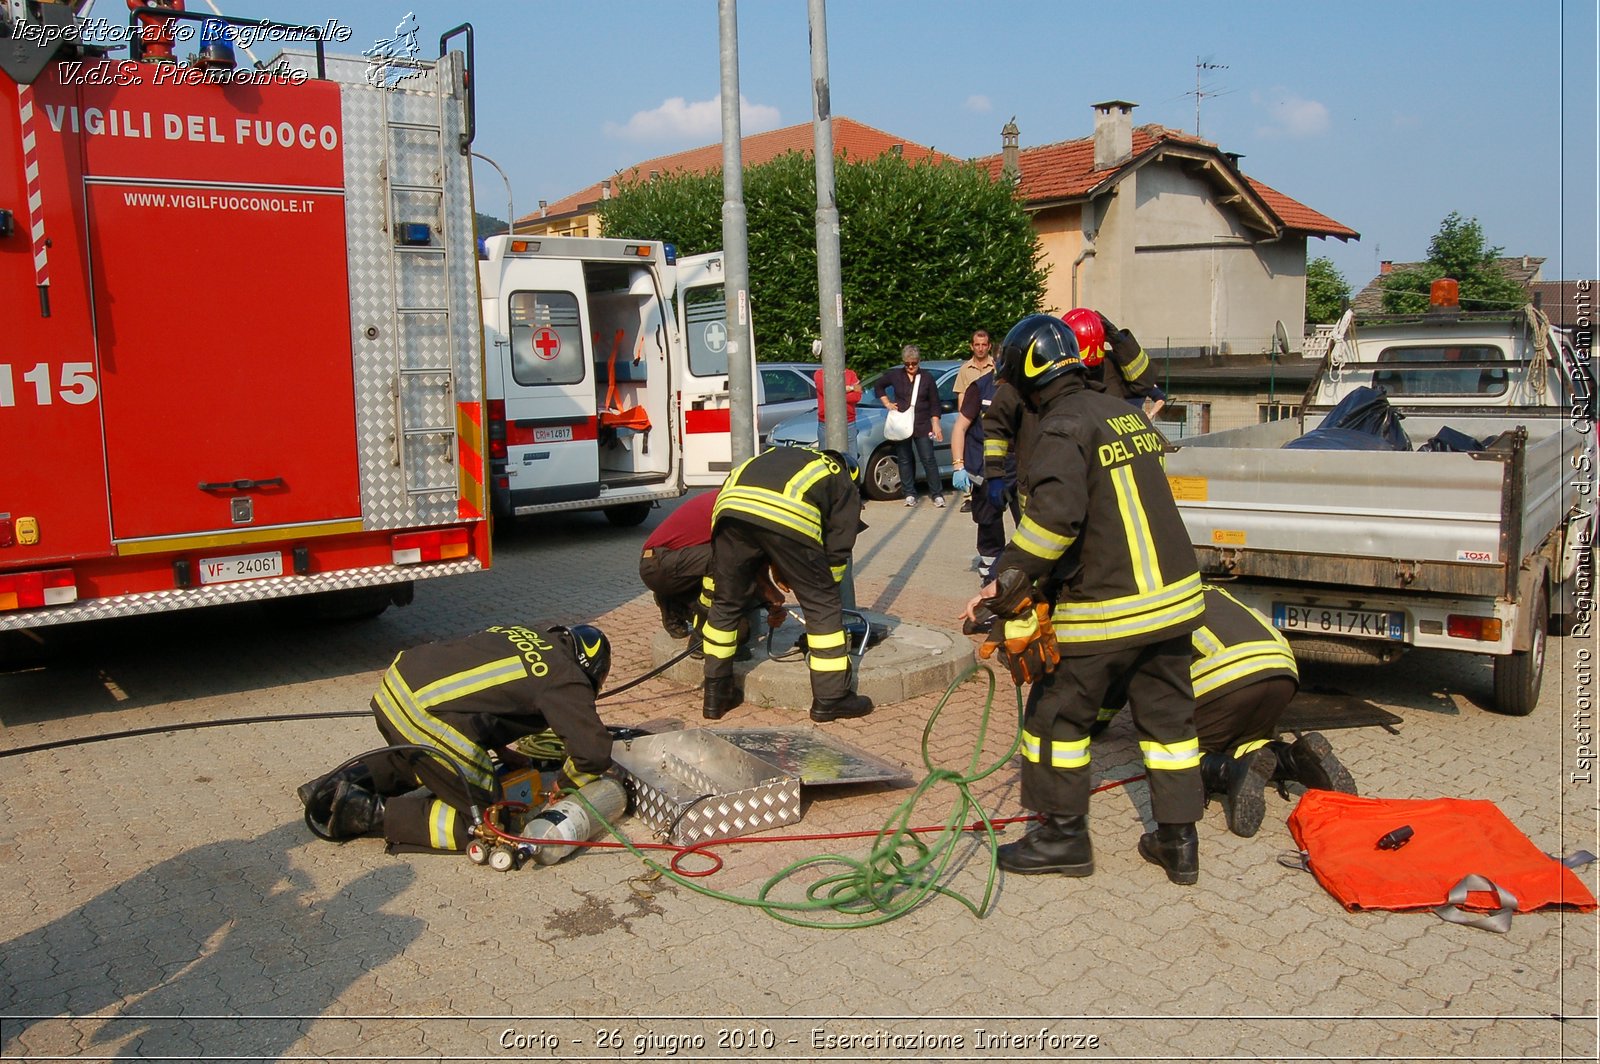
703, 397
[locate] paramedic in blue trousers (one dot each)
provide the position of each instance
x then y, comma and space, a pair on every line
1100, 572
1244, 676
799, 511
465, 698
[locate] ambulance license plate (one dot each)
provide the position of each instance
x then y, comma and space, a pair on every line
1325, 620
553, 434
241, 567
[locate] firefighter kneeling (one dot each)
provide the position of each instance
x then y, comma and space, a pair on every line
1100, 528
1244, 677
461, 699
798, 510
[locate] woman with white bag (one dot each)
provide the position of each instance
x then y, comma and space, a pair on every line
913, 422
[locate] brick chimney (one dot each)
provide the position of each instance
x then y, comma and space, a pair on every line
1384, 267
1010, 155
1113, 133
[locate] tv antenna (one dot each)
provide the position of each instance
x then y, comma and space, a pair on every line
1201, 65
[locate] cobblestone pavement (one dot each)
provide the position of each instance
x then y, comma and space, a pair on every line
164, 899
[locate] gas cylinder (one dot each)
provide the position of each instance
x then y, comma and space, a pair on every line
571, 821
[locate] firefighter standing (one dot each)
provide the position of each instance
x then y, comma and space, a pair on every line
463, 698
1244, 676
1099, 519
798, 510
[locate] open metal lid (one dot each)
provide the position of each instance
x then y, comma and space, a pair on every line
817, 758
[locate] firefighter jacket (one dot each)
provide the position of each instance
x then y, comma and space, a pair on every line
1235, 647
800, 494
1100, 518
469, 695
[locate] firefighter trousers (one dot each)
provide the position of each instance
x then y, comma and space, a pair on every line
739, 553
1245, 717
1061, 707
675, 576
436, 817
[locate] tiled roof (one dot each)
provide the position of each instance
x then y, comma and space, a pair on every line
850, 138
1520, 268
1065, 170
1560, 300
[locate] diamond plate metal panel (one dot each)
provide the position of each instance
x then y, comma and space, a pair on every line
430, 461
416, 157
419, 274
387, 342
425, 402
244, 591
694, 786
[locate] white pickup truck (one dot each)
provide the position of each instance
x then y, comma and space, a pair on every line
1358, 555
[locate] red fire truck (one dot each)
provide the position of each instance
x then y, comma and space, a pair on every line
240, 348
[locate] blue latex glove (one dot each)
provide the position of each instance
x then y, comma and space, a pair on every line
996, 489
960, 481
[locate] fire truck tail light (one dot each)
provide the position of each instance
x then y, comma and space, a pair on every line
49, 587
439, 544
1462, 626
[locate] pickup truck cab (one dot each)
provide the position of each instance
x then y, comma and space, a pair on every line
1358, 556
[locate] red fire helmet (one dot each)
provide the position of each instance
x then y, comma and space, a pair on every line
1085, 324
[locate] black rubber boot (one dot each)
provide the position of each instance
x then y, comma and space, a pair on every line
1242, 782
1176, 848
851, 705
355, 811
1060, 844
1310, 762
317, 795
722, 694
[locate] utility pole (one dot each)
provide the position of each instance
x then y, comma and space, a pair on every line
1201, 65
735, 244
830, 282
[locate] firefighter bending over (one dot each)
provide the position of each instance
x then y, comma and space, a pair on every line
798, 510
1244, 677
464, 698
1099, 520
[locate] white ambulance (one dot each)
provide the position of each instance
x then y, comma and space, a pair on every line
607, 378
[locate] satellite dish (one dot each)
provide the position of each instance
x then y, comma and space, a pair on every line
1280, 336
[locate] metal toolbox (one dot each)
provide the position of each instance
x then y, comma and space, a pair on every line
694, 786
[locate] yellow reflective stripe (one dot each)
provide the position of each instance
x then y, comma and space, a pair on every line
837, 571
1141, 543
1240, 661
1205, 642
1137, 365
1171, 756
772, 506
821, 663
1082, 622
399, 705
1109, 712
802, 481
996, 448
441, 825
825, 641
1038, 540
578, 777
718, 643
1249, 747
471, 681
1063, 754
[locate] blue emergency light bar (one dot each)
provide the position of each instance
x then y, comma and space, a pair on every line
413, 234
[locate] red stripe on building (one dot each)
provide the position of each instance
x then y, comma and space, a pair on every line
696, 422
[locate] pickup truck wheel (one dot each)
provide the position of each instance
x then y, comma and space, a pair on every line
628, 514
881, 479
1517, 675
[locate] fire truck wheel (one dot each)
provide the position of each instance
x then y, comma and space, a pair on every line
628, 514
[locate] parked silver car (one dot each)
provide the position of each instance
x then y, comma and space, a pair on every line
783, 390
880, 474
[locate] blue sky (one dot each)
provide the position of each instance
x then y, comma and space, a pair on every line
1385, 116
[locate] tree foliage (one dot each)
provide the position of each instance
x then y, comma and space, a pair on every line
1327, 292
1457, 250
487, 224
928, 251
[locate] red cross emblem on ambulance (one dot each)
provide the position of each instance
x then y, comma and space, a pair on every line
546, 344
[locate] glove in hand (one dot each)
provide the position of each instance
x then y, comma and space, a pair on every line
995, 490
571, 778
960, 481
1025, 645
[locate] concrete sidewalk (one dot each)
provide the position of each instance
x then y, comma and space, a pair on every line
164, 899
